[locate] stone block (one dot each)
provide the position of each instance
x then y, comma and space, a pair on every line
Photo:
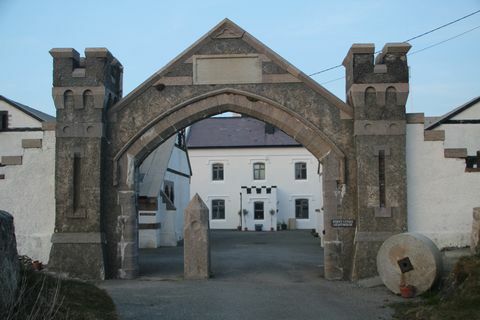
11, 160
227, 69
455, 153
48, 126
31, 143
415, 118
475, 237
9, 266
434, 135
197, 240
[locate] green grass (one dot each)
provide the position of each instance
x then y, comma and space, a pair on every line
457, 298
42, 296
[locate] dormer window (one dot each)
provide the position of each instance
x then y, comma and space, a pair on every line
3, 120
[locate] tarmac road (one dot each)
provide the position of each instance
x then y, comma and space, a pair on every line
257, 275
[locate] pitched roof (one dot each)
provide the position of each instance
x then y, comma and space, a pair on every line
453, 113
34, 113
225, 28
236, 132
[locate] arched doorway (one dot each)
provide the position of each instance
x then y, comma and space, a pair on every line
100, 146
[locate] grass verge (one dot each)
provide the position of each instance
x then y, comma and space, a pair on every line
457, 298
42, 296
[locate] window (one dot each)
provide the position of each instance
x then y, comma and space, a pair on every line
301, 208
300, 171
217, 171
218, 209
258, 213
3, 120
259, 171
168, 189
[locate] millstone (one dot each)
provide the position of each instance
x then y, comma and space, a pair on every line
409, 259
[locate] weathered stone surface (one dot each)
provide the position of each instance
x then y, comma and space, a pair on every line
455, 153
11, 160
434, 135
279, 94
475, 238
9, 266
197, 240
31, 143
409, 259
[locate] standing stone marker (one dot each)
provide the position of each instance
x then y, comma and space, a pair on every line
9, 266
196, 249
475, 238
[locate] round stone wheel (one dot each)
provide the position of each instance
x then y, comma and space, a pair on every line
409, 259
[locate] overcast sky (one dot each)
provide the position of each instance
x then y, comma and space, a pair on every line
312, 35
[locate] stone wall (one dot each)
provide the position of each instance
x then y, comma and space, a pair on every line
9, 266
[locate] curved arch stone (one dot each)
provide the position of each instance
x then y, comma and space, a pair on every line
219, 101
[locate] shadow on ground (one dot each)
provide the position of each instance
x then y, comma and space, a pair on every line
257, 275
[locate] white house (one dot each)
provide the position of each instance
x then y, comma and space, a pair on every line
164, 193
27, 175
443, 174
240, 163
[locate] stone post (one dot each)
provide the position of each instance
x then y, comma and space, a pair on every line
197, 240
475, 238
9, 266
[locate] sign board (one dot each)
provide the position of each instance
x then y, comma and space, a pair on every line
343, 223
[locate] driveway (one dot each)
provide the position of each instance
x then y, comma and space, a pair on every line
257, 275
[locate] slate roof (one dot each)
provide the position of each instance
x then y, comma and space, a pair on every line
235, 132
453, 113
39, 115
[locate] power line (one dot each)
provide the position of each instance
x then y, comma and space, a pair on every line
413, 38
443, 26
446, 40
423, 49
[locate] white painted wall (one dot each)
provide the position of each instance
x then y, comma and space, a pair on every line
179, 162
464, 135
441, 195
17, 118
279, 163
155, 169
27, 192
269, 203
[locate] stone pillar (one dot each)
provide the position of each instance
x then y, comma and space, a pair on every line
196, 254
377, 90
83, 88
9, 266
475, 238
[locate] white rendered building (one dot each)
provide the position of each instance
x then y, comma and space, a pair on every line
163, 194
240, 163
27, 175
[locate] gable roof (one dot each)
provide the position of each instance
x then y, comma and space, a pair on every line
453, 113
226, 28
34, 113
236, 132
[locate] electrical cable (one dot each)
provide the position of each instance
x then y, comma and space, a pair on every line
413, 38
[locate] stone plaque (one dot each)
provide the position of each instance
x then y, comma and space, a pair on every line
343, 223
227, 69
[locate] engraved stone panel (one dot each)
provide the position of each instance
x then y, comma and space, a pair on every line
223, 69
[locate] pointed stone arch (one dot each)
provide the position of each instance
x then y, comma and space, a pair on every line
110, 141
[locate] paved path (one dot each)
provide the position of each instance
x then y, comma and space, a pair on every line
269, 275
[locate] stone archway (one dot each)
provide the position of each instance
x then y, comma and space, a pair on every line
215, 102
99, 145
